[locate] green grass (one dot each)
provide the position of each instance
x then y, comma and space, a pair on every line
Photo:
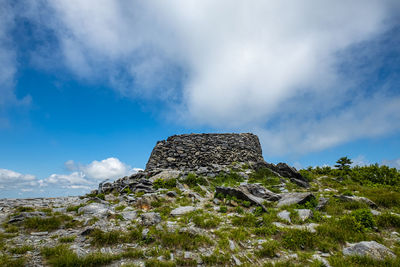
206, 220
100, 238
62, 256
120, 208
296, 239
7, 261
74, 208
388, 220
357, 261
20, 250
268, 249
158, 263
43, 224
67, 239
182, 240
248, 220
216, 259
161, 183
24, 209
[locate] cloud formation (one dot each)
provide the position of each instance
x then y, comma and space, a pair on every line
273, 67
81, 177
395, 163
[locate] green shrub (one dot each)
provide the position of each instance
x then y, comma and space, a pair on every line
120, 208
7, 261
182, 240
75, 208
100, 238
223, 209
248, 220
158, 263
299, 239
24, 209
364, 217
206, 220
161, 183
192, 180
387, 220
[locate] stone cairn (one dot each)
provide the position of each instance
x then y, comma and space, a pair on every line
202, 154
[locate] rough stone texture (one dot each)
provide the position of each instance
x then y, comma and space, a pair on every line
369, 248
95, 209
190, 151
150, 218
243, 193
182, 210
166, 175
304, 214
357, 199
294, 198
284, 215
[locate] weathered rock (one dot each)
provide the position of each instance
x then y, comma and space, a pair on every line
172, 194
311, 227
166, 175
304, 214
357, 199
95, 209
287, 171
294, 198
182, 210
150, 218
259, 191
322, 202
369, 248
284, 215
129, 215
239, 193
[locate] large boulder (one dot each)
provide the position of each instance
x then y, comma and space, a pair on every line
23, 215
245, 192
357, 199
287, 171
95, 209
369, 248
288, 199
182, 210
150, 218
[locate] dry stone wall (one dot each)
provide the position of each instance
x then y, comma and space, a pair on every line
191, 151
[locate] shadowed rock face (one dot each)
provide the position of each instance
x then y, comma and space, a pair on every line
189, 151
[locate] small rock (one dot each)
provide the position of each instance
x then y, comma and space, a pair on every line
375, 212
216, 201
322, 202
172, 194
357, 199
304, 214
87, 231
39, 233
232, 245
150, 218
129, 215
95, 209
145, 233
182, 210
294, 198
284, 215
369, 248
236, 260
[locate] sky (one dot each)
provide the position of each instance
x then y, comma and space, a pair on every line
87, 88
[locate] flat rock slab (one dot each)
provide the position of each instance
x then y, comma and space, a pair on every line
129, 215
369, 248
288, 199
166, 175
242, 194
182, 210
284, 215
357, 199
95, 209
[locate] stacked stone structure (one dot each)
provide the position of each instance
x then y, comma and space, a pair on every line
191, 151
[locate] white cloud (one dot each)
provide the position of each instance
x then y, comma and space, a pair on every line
82, 177
269, 66
395, 163
10, 180
109, 168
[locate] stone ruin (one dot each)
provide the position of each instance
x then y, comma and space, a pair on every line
193, 151
202, 154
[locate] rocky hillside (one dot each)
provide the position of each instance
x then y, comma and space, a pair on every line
245, 213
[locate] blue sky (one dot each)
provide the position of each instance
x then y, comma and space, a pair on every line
88, 87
